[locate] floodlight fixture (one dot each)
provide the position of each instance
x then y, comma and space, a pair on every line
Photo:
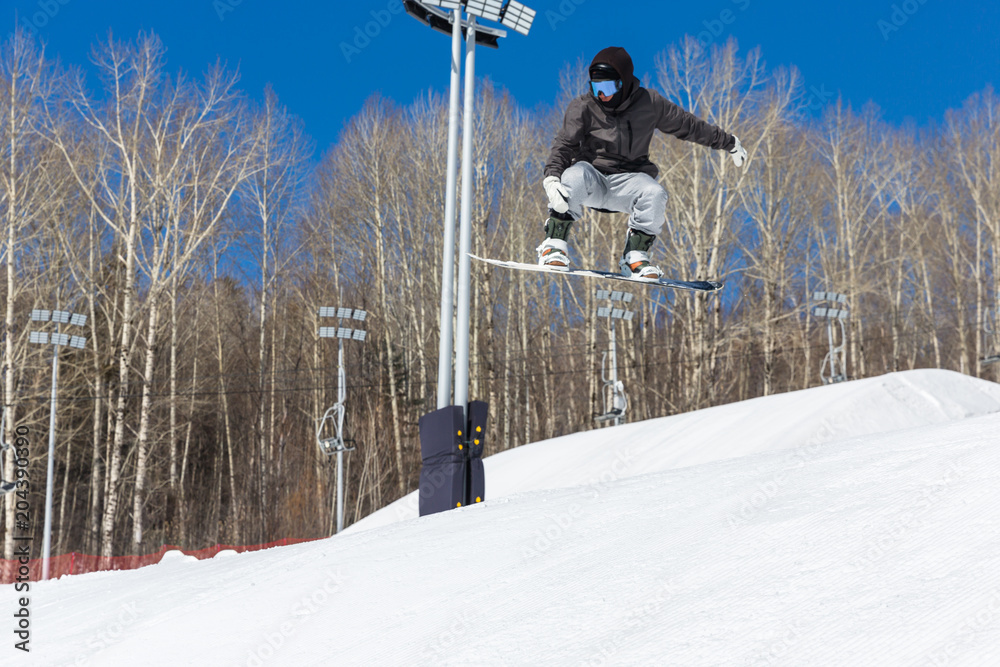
617, 313
830, 296
602, 294
41, 337
830, 313
435, 18
444, 4
60, 339
628, 316
341, 332
60, 316
616, 296
39, 315
78, 320
486, 9
518, 17
442, 22
603, 311
992, 359
79, 342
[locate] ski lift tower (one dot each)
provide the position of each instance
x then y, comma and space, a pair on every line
336, 444
451, 438
990, 332
616, 311
57, 340
837, 312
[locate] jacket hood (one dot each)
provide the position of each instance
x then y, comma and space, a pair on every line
619, 58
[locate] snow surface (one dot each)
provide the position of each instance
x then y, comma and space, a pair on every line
854, 524
799, 419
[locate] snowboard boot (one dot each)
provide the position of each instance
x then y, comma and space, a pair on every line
635, 258
554, 251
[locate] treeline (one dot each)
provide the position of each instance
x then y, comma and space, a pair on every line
188, 223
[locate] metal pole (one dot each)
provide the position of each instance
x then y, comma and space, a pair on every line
47, 533
448, 251
833, 351
614, 369
341, 395
465, 228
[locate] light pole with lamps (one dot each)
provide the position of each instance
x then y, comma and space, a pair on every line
448, 436
336, 444
57, 339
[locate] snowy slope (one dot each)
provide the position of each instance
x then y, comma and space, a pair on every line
786, 421
881, 548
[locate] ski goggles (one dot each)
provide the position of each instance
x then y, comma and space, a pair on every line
607, 88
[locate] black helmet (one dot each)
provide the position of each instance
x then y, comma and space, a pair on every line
614, 65
603, 72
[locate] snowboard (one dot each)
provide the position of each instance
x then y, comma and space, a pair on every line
693, 285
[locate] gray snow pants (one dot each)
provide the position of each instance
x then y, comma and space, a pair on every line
637, 194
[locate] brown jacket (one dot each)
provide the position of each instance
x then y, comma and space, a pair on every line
617, 141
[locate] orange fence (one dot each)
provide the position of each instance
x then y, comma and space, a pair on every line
74, 563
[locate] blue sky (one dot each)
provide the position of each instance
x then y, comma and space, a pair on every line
914, 58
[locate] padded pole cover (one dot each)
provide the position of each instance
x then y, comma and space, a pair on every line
452, 473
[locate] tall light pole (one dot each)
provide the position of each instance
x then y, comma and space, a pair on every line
518, 17
336, 444
448, 249
617, 311
447, 436
57, 339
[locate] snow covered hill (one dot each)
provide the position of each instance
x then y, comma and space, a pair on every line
855, 524
802, 419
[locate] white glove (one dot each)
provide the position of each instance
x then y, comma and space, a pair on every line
557, 193
739, 154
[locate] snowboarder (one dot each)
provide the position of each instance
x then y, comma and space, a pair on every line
600, 159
